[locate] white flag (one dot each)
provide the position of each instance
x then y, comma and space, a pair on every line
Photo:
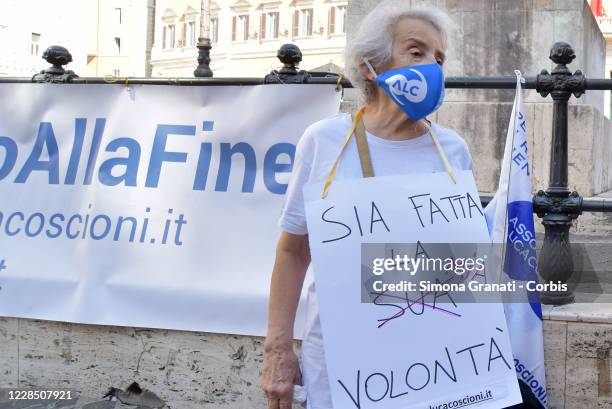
510, 221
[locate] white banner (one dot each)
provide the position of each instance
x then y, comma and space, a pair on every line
153, 206
383, 354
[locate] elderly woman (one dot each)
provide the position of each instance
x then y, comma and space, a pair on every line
392, 36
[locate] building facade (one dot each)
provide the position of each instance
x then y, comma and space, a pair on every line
28, 27
104, 37
120, 34
143, 38
246, 35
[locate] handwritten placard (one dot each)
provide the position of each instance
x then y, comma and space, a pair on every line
427, 357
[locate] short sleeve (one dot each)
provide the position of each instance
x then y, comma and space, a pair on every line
468, 163
293, 215
464, 158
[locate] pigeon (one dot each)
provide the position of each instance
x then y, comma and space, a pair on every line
135, 395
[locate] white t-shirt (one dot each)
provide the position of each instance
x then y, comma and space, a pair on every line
315, 154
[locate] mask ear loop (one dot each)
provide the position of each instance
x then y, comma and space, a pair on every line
367, 63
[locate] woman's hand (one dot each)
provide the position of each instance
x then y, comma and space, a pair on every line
281, 370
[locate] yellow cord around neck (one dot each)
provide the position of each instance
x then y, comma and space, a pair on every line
356, 120
332, 172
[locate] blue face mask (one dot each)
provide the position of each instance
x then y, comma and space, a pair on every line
417, 89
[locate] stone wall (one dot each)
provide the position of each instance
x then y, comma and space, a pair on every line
484, 125
192, 370
578, 340
186, 369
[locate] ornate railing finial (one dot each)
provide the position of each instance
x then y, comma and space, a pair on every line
561, 83
562, 53
291, 56
57, 56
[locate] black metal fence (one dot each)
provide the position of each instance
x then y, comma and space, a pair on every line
557, 206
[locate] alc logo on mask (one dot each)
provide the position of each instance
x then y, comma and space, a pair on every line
414, 90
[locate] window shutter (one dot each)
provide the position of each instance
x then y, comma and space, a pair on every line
164, 43
276, 24
184, 35
234, 28
296, 21
331, 26
246, 28
309, 28
262, 27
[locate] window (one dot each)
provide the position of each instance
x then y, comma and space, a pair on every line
191, 33
337, 20
341, 26
306, 22
168, 36
116, 72
35, 44
117, 45
171, 32
269, 25
302, 22
214, 29
240, 27
118, 16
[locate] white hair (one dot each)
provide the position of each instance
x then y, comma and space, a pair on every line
374, 40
